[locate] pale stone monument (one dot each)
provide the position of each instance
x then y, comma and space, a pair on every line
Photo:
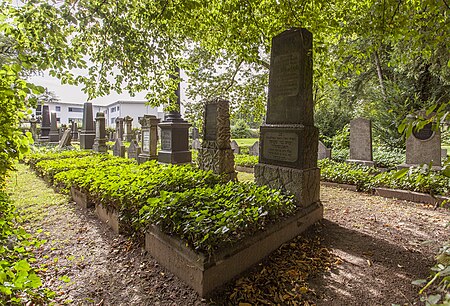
196, 144
119, 128
361, 142
128, 121
45, 124
119, 148
53, 136
87, 134
289, 139
100, 133
195, 133
65, 139
149, 138
33, 127
215, 153
424, 147
254, 149
235, 147
323, 152
134, 150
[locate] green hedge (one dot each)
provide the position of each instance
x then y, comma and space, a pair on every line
244, 160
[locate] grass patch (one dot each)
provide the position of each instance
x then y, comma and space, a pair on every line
245, 177
245, 142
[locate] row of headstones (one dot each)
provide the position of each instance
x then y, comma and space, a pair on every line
252, 150
422, 147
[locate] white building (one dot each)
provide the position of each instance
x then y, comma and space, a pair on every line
72, 111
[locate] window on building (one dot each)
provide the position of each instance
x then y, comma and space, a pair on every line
113, 120
118, 108
77, 120
38, 110
57, 108
75, 110
58, 120
113, 109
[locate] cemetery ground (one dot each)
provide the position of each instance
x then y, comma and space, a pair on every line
366, 251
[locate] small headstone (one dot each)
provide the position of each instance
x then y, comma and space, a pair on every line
33, 127
235, 147
100, 133
53, 136
74, 129
443, 155
134, 150
61, 130
65, 139
128, 136
323, 152
195, 133
87, 134
215, 153
149, 138
45, 124
361, 142
254, 149
119, 128
119, 148
196, 144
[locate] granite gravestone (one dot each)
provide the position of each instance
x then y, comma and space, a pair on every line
119, 128
53, 136
119, 148
361, 142
134, 150
65, 139
74, 129
424, 147
215, 153
254, 149
100, 134
235, 147
196, 144
149, 138
289, 139
323, 152
128, 135
174, 140
33, 127
195, 133
87, 134
45, 124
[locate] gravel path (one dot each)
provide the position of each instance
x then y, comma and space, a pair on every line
374, 246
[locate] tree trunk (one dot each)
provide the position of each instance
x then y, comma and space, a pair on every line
380, 75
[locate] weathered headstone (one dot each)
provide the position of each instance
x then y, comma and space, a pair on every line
45, 124
134, 150
195, 133
215, 153
289, 139
443, 155
100, 133
87, 134
74, 129
235, 147
65, 139
33, 127
149, 138
361, 142
254, 149
323, 152
119, 148
53, 136
62, 130
128, 136
119, 128
174, 140
196, 144
424, 147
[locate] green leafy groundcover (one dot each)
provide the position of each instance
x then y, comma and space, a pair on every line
420, 179
245, 160
19, 283
210, 218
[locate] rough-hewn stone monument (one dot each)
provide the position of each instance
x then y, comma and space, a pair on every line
128, 121
149, 138
65, 140
119, 148
100, 133
87, 133
289, 139
119, 128
361, 142
215, 153
45, 124
53, 135
134, 150
33, 127
323, 152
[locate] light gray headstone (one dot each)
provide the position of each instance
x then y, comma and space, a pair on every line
134, 150
254, 149
235, 147
65, 139
323, 152
424, 147
119, 148
361, 141
196, 144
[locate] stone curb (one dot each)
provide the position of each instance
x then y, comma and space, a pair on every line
245, 169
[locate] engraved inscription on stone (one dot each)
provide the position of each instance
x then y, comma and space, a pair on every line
146, 141
285, 75
281, 146
425, 133
211, 122
166, 140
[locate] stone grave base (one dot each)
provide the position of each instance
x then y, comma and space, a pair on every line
206, 274
174, 157
367, 163
304, 184
81, 198
109, 217
142, 158
412, 196
245, 169
402, 166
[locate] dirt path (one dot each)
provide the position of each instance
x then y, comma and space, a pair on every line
380, 243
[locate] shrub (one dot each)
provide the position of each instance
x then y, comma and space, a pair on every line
388, 157
241, 130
